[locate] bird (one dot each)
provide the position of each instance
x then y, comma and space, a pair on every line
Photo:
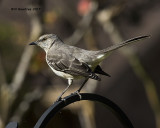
71, 62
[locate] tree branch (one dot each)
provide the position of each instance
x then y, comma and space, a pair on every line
83, 25
36, 30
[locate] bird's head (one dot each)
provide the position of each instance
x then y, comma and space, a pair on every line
45, 41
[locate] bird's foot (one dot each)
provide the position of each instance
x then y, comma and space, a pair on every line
78, 93
60, 99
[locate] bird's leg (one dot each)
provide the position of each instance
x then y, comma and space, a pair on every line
82, 85
69, 84
78, 91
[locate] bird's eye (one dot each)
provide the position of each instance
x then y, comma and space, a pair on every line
44, 39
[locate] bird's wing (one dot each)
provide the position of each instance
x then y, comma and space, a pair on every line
72, 66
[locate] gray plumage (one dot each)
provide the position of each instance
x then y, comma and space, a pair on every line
71, 62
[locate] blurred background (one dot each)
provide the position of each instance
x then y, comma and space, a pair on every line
28, 87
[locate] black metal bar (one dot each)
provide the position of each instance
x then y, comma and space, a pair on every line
12, 125
57, 106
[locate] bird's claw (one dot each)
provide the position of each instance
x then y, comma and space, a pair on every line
77, 92
60, 99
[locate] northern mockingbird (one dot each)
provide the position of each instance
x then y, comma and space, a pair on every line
71, 62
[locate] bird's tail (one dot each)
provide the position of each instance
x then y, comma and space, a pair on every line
119, 45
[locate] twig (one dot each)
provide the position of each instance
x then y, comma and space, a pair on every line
83, 25
25, 104
36, 29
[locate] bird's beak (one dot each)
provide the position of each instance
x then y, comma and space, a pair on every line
33, 43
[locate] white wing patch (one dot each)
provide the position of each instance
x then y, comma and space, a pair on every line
61, 74
100, 56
